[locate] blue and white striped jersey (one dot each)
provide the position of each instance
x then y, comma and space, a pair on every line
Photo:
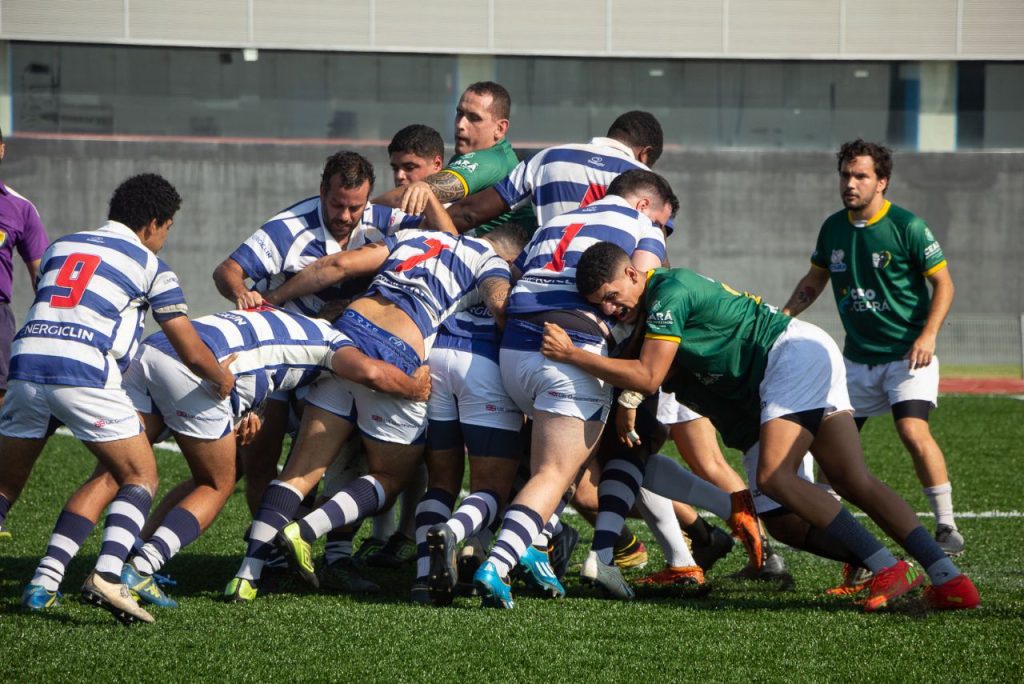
296, 237
567, 177
548, 263
282, 350
93, 292
431, 275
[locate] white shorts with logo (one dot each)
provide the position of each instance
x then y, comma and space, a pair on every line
379, 416
93, 414
161, 384
467, 387
536, 383
762, 502
874, 389
805, 371
671, 412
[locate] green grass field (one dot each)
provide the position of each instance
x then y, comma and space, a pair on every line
730, 631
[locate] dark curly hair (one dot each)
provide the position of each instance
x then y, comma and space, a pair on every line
142, 198
880, 154
639, 129
354, 168
598, 265
423, 141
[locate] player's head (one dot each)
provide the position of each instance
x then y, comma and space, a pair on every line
147, 204
508, 240
648, 193
345, 188
415, 152
641, 132
607, 279
864, 171
481, 117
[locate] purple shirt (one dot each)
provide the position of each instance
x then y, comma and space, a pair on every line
21, 227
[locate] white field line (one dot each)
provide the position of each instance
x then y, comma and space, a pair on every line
173, 447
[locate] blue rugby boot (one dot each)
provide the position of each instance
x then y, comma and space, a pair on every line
493, 589
37, 598
536, 570
145, 587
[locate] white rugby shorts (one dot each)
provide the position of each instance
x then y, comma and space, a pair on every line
671, 412
92, 414
537, 383
874, 389
467, 387
379, 416
805, 371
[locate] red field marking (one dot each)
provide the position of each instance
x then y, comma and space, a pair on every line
981, 386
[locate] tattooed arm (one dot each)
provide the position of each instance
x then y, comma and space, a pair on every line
495, 294
446, 186
807, 290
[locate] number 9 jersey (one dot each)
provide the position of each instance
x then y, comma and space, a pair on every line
91, 299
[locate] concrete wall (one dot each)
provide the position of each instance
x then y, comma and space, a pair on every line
815, 29
749, 217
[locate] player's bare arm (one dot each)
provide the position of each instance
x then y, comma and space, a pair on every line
495, 295
330, 270
435, 216
33, 272
229, 277
196, 356
351, 364
807, 290
923, 349
644, 261
644, 374
477, 209
446, 188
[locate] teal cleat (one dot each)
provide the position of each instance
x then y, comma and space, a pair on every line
536, 570
493, 589
37, 598
145, 588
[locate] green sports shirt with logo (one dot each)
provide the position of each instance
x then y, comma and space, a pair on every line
480, 170
724, 336
879, 270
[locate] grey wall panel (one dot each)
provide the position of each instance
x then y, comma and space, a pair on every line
748, 217
208, 21
666, 26
437, 24
312, 22
825, 29
914, 27
69, 19
993, 27
787, 27
550, 27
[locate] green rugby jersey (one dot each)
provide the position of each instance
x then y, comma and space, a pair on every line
879, 270
723, 335
480, 170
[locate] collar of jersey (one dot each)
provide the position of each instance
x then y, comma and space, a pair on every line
122, 230
879, 215
612, 142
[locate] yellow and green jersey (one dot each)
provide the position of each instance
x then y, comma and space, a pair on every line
878, 270
480, 170
723, 335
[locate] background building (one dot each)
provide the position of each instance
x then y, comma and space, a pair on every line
238, 101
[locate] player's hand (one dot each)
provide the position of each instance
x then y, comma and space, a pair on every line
248, 427
921, 352
250, 299
415, 198
227, 379
625, 425
556, 344
421, 391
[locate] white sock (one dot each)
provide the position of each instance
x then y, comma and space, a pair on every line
940, 498
660, 516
